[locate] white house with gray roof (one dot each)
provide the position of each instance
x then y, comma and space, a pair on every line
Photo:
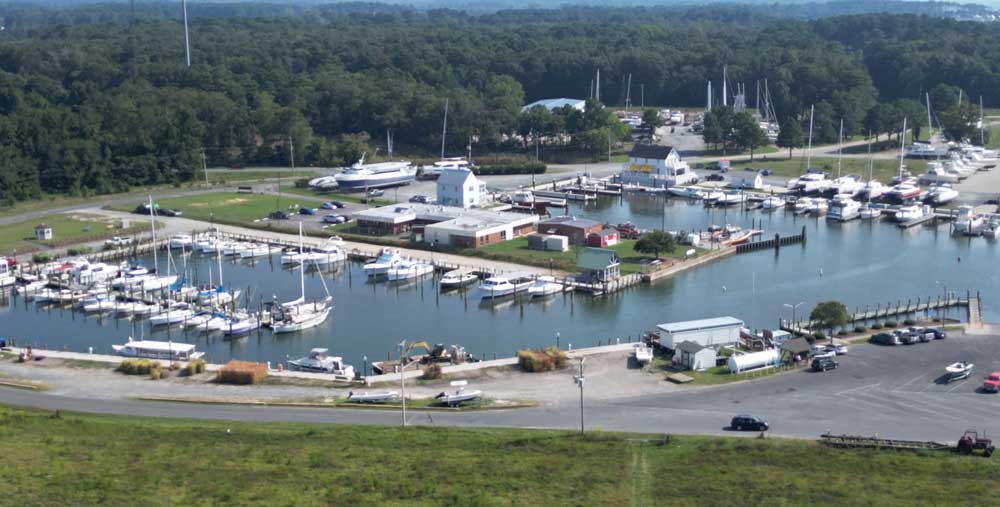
460, 188
656, 166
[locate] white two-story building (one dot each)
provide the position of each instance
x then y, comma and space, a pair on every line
656, 166
460, 188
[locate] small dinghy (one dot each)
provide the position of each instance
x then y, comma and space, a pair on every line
375, 397
643, 353
459, 396
958, 371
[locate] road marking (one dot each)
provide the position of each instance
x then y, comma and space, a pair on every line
900, 387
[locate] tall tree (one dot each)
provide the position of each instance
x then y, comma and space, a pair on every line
790, 134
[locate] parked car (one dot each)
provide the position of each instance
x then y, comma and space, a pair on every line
884, 339
305, 210
992, 383
837, 349
939, 334
907, 338
766, 172
748, 423
169, 212
338, 204
824, 364
118, 241
419, 199
329, 205
278, 215
334, 219
375, 192
715, 177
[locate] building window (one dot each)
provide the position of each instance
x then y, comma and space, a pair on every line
503, 235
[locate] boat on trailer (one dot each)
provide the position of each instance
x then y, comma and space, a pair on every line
375, 397
459, 395
958, 371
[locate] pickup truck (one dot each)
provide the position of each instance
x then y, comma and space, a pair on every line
992, 383
118, 241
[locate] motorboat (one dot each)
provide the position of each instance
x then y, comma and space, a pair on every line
923, 150
940, 194
873, 189
687, 192
136, 270
820, 207
319, 362
544, 286
28, 290
455, 279
936, 173
909, 213
180, 241
387, 259
239, 325
712, 196
500, 286
843, 209
643, 353
292, 257
849, 185
171, 316
6, 277
253, 250
150, 349
361, 175
772, 202
198, 319
731, 198
869, 212
216, 323
812, 181
373, 397
958, 371
459, 395
409, 270
968, 222
137, 308
206, 244
324, 183
231, 248
804, 205
432, 171
100, 304
330, 252
904, 192
217, 296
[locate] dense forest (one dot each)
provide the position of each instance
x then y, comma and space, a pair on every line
98, 104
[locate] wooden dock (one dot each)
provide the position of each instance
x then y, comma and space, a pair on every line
775, 243
971, 302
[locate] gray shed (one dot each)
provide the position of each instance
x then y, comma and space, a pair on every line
693, 356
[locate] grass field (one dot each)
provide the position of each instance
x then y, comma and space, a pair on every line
516, 250
256, 174
67, 229
884, 170
356, 198
228, 207
75, 459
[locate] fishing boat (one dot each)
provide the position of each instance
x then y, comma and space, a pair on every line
454, 279
361, 175
409, 270
386, 259
958, 371
319, 362
501, 286
373, 397
544, 286
968, 222
150, 349
459, 395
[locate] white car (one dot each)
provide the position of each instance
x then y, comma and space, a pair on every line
119, 241
837, 349
334, 219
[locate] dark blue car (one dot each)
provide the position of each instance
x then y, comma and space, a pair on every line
307, 211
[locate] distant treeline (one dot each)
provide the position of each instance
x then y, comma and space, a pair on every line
96, 106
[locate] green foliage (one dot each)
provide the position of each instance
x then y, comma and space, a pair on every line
790, 134
651, 118
536, 360
909, 322
859, 329
138, 366
511, 168
876, 326
79, 250
890, 323
40, 257
654, 242
819, 335
829, 314
432, 372
195, 367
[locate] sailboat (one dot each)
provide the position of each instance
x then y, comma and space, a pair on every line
158, 282
217, 295
871, 190
299, 315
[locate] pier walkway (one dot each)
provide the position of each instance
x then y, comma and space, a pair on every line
971, 302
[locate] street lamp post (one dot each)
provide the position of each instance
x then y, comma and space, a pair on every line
580, 379
557, 340
794, 307
365, 359
402, 380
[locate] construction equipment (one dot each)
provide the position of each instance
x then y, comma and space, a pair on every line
972, 441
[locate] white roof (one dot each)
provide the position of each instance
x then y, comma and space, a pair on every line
158, 346
455, 176
551, 104
699, 325
445, 217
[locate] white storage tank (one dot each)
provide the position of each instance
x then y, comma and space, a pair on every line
744, 362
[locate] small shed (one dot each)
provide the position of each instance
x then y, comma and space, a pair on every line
600, 264
43, 232
795, 350
694, 356
603, 238
748, 180
548, 242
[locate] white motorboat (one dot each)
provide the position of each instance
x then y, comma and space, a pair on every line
214, 324
455, 279
330, 252
687, 192
936, 173
731, 199
362, 176
101, 306
6, 277
958, 371
206, 244
849, 185
240, 325
149, 349
199, 319
137, 308
968, 222
217, 296
923, 150
909, 213
409, 270
181, 241
812, 182
941, 194
171, 316
820, 207
904, 192
873, 189
459, 395
643, 353
843, 209
869, 212
324, 183
29, 289
434, 170
373, 397
804, 205
544, 286
136, 270
386, 260
500, 286
253, 250
319, 362
231, 248
772, 203
710, 197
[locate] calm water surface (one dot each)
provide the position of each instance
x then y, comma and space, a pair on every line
858, 263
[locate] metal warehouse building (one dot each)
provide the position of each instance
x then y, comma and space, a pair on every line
713, 333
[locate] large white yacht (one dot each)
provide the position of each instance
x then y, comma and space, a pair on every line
386, 260
382, 174
319, 362
500, 286
843, 209
434, 170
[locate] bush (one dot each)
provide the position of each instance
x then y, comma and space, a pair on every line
40, 258
859, 329
909, 322
432, 371
242, 373
302, 183
195, 366
155, 374
512, 168
174, 366
877, 326
890, 323
138, 366
842, 332
549, 358
819, 335
810, 338
79, 250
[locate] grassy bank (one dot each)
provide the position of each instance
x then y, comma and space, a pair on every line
517, 251
883, 170
67, 229
228, 207
74, 459
357, 198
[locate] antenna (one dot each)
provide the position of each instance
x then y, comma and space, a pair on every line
725, 101
597, 86
444, 129
187, 45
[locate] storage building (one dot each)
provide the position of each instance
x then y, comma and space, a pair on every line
576, 229
600, 264
603, 238
714, 332
548, 242
694, 356
747, 180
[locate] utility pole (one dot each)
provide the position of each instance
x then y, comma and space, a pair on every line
580, 380
187, 45
402, 381
204, 165
291, 154
597, 86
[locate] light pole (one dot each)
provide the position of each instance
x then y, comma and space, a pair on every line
794, 307
365, 359
557, 340
579, 379
402, 380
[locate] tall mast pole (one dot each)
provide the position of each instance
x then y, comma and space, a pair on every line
187, 45
902, 146
444, 128
812, 109
840, 147
152, 226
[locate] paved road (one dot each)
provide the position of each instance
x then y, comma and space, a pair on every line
891, 391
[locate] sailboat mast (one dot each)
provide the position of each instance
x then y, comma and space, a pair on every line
902, 146
812, 109
218, 258
152, 226
870, 167
444, 128
840, 147
302, 265
930, 125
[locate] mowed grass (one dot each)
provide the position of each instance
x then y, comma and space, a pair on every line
75, 459
516, 250
229, 207
67, 229
883, 170
234, 175
356, 198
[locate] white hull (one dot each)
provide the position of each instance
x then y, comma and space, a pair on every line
301, 322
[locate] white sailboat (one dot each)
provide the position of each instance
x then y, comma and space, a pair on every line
299, 315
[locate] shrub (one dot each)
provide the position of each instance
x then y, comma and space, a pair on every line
432, 371
302, 183
909, 322
511, 168
810, 338
40, 258
138, 366
877, 325
859, 329
242, 373
195, 366
174, 366
79, 250
819, 335
155, 374
549, 358
890, 323
842, 332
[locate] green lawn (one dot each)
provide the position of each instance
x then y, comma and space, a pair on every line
82, 460
516, 250
356, 198
256, 174
884, 170
67, 229
229, 207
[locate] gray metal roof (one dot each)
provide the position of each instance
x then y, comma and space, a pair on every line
796, 345
598, 258
651, 151
569, 220
690, 347
699, 325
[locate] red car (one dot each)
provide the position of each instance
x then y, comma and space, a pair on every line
992, 382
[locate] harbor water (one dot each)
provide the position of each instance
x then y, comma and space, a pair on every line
858, 263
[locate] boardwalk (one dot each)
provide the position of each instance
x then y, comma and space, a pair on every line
971, 302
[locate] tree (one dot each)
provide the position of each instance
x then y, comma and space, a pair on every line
959, 122
747, 133
829, 315
718, 125
790, 136
654, 242
914, 112
651, 119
